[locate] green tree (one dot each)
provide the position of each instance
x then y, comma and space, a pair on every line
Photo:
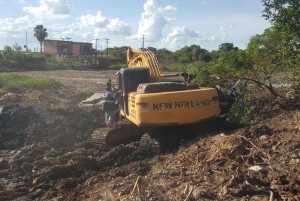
258, 63
193, 53
41, 34
165, 56
223, 71
266, 60
8, 53
118, 53
204, 55
12, 53
285, 16
184, 55
226, 47
153, 49
214, 54
195, 49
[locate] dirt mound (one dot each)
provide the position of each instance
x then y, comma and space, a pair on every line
13, 121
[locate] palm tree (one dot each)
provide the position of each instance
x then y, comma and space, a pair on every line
40, 33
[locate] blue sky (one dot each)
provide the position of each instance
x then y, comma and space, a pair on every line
170, 24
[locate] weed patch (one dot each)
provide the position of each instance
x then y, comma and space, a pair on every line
22, 83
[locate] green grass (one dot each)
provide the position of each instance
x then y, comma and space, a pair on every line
118, 66
14, 83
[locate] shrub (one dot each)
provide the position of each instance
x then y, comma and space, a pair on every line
296, 78
241, 112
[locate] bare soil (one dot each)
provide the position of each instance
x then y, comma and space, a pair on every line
43, 154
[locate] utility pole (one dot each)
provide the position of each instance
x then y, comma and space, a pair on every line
96, 39
69, 48
26, 42
143, 45
96, 59
26, 45
69, 51
107, 47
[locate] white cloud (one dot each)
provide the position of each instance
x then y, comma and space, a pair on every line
86, 34
87, 27
153, 20
62, 31
224, 30
103, 24
50, 9
19, 1
116, 26
14, 26
94, 20
182, 36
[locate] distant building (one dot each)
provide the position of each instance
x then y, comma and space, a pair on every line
67, 48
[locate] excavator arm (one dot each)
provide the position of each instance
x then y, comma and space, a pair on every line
146, 59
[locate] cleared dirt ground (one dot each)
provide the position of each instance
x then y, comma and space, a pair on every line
43, 154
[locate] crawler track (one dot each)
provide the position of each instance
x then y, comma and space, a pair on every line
121, 132
154, 140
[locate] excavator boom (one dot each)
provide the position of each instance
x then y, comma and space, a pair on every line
145, 59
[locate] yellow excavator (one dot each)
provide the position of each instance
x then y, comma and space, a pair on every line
146, 100
154, 106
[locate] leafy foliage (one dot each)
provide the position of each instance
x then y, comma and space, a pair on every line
241, 112
285, 14
165, 56
14, 55
259, 63
265, 54
224, 71
118, 53
41, 34
191, 53
226, 47
295, 80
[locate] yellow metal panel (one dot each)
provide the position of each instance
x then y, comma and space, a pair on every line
178, 107
145, 59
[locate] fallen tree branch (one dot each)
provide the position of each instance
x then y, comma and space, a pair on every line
189, 195
135, 185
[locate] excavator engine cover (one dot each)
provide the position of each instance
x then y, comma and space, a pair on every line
164, 86
173, 107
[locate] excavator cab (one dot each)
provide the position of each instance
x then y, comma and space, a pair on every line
128, 81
